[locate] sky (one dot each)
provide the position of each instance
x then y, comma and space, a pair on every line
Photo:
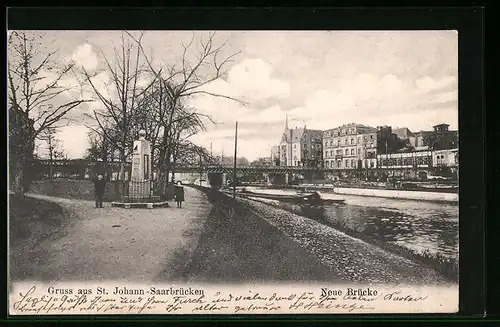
320, 79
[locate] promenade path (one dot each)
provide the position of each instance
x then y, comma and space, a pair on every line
117, 244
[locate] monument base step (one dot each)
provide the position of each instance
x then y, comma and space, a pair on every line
132, 199
149, 205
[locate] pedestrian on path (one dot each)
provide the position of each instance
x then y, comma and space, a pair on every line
179, 194
99, 186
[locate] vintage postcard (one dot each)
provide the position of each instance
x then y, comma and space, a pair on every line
233, 172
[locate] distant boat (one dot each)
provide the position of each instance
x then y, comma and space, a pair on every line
313, 198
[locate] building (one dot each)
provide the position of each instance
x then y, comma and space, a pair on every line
438, 139
404, 134
355, 146
445, 158
299, 147
419, 162
275, 155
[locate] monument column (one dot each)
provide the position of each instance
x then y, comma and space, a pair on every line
141, 168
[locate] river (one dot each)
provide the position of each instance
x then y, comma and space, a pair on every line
417, 225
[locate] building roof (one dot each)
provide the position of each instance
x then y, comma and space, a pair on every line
402, 132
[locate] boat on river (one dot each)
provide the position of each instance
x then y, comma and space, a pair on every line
299, 197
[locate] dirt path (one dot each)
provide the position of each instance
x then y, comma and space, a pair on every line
119, 244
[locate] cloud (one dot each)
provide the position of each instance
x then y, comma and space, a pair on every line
428, 84
251, 79
85, 57
74, 140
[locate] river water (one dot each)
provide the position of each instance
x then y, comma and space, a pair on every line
417, 225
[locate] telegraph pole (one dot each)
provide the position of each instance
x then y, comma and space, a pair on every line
234, 163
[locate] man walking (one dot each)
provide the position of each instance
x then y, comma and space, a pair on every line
100, 186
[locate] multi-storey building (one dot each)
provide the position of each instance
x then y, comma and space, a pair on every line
438, 139
355, 146
299, 147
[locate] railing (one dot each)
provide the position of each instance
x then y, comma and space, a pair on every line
140, 191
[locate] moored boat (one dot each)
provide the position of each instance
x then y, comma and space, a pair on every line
302, 197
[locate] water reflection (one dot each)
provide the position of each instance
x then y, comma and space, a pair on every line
419, 229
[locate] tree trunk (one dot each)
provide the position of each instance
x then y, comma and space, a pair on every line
122, 173
17, 184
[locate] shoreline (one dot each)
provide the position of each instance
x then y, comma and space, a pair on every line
447, 268
401, 194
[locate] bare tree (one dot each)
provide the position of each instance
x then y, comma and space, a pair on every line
176, 83
101, 149
38, 99
119, 111
54, 148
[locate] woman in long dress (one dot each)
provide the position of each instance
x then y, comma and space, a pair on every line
179, 194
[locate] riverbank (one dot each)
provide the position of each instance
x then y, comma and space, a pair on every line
445, 266
398, 194
237, 246
432, 195
350, 259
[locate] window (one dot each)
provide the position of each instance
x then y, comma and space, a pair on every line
364, 138
338, 133
352, 141
371, 137
339, 163
327, 163
353, 163
346, 152
366, 163
338, 142
372, 164
359, 139
352, 152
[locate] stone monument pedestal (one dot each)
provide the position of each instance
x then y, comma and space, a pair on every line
140, 187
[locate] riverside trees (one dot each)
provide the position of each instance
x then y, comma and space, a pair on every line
141, 94
39, 99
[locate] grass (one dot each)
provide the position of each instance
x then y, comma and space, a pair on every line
237, 246
30, 222
75, 189
32, 219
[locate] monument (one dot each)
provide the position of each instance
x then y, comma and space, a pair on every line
141, 167
140, 186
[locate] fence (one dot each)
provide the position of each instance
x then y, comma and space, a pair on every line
140, 192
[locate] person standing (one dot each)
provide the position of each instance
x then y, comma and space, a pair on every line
99, 186
179, 194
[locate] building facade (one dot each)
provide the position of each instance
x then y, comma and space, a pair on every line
299, 147
355, 146
445, 158
440, 138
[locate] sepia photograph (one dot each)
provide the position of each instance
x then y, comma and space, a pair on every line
233, 172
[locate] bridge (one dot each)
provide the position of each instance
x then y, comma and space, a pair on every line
220, 169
